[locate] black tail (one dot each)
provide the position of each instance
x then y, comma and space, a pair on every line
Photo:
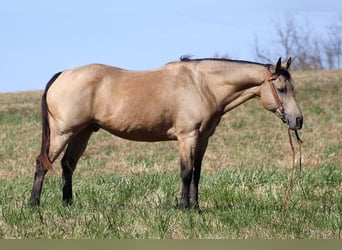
44, 151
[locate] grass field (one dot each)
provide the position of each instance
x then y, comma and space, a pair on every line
128, 189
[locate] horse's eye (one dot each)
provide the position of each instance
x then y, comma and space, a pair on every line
282, 90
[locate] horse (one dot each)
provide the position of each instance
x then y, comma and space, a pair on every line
183, 100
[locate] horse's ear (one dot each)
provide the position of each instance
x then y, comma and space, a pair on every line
287, 64
274, 70
278, 65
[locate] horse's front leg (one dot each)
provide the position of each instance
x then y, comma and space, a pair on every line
202, 146
187, 151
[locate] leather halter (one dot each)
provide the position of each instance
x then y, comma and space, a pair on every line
280, 105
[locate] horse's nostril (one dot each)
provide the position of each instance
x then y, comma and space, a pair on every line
299, 122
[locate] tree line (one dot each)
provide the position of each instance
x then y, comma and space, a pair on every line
309, 50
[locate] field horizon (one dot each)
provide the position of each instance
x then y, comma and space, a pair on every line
125, 189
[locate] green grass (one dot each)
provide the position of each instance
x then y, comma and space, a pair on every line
235, 204
130, 190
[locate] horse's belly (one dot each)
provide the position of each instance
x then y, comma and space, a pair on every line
140, 132
147, 137
142, 135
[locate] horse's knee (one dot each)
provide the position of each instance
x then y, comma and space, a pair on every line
186, 173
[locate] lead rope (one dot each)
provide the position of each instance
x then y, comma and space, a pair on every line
300, 143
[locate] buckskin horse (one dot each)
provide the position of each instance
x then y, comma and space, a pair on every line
181, 101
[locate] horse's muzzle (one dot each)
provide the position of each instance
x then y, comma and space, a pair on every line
295, 123
299, 122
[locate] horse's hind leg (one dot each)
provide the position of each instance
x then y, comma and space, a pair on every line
57, 144
38, 182
74, 151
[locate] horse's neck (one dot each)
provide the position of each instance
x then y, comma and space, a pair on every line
234, 83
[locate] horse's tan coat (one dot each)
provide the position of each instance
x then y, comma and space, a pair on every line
181, 101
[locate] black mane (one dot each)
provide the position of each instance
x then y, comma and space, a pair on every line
188, 58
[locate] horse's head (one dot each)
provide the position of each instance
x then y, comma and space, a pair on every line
277, 95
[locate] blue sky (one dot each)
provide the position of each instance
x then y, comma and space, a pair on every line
39, 38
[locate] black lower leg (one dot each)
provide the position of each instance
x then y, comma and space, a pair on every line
67, 182
186, 176
194, 189
197, 174
37, 183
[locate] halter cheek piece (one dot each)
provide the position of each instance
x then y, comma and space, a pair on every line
280, 111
